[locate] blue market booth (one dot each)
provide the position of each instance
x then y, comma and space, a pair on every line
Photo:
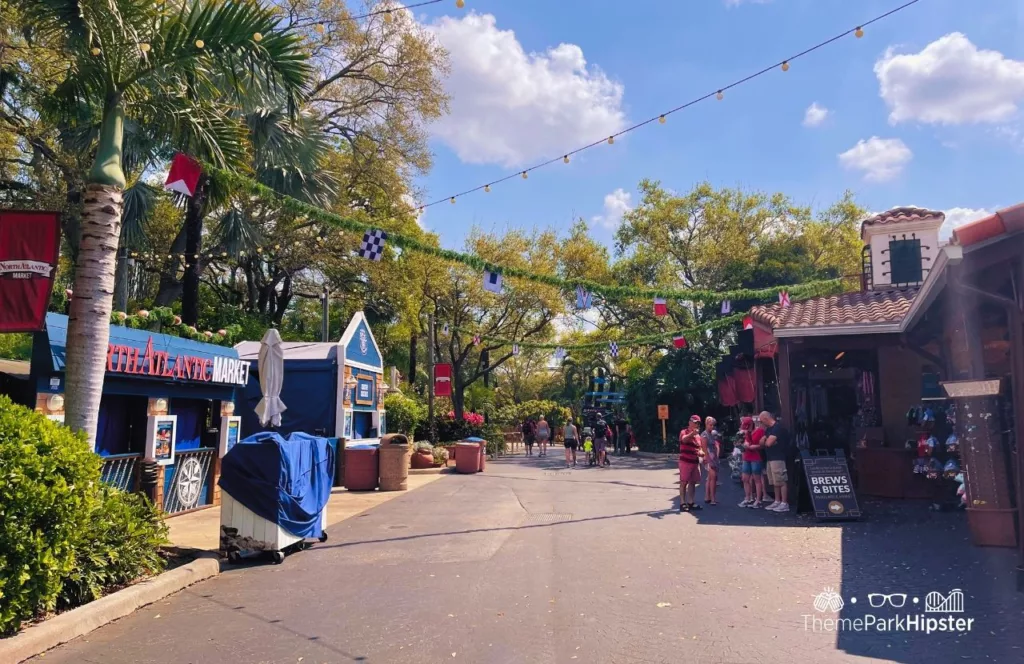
329, 389
167, 405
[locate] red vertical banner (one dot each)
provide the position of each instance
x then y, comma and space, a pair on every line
442, 380
29, 249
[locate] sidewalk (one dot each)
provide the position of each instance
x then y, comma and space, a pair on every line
201, 529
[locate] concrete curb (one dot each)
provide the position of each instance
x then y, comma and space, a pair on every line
60, 629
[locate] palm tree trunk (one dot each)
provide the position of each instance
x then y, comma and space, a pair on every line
89, 323
193, 245
89, 320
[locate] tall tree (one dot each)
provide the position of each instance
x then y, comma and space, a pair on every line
171, 67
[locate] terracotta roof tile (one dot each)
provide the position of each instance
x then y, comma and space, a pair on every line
864, 308
898, 214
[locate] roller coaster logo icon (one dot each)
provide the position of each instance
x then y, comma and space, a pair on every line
936, 602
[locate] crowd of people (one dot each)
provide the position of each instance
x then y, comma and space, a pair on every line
764, 447
593, 439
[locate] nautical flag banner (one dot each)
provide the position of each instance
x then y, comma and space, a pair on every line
184, 175
559, 353
515, 349
476, 339
583, 299
372, 246
784, 298
442, 380
444, 330
748, 323
679, 341
660, 307
726, 307
613, 348
492, 281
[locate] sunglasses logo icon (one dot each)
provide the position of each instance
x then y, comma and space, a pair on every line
895, 600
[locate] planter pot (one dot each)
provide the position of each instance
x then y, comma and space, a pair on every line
992, 527
421, 461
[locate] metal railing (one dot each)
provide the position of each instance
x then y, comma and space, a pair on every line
190, 481
121, 471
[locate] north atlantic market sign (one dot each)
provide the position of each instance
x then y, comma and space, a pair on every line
123, 359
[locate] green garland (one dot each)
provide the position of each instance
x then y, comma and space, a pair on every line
645, 340
297, 207
162, 320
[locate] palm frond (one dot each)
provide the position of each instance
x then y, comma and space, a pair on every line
201, 129
139, 202
236, 232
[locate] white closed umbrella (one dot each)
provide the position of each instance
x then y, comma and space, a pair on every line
271, 368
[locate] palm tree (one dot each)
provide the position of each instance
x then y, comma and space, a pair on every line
170, 66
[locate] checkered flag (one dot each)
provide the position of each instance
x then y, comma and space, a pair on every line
372, 246
613, 348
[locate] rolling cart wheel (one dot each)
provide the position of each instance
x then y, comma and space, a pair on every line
323, 537
277, 557
234, 557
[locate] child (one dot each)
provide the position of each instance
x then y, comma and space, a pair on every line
588, 448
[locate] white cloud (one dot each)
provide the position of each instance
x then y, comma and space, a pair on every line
959, 216
616, 204
411, 201
509, 106
815, 115
879, 159
950, 82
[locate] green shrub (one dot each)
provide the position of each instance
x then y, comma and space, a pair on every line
65, 537
49, 482
514, 414
120, 544
404, 413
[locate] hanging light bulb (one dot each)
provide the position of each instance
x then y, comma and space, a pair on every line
277, 247
223, 254
144, 47
611, 140
785, 66
566, 159
859, 32
259, 250
200, 43
320, 28
661, 119
487, 188
95, 50
720, 96
452, 200
460, 3
525, 175
257, 37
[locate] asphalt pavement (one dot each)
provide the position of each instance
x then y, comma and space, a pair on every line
530, 562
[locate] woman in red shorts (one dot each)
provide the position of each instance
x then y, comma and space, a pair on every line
690, 453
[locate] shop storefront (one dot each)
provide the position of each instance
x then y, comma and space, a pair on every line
917, 377
166, 404
330, 389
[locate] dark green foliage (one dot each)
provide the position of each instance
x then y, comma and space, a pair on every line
64, 536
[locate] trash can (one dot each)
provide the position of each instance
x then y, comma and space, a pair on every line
483, 449
467, 457
361, 467
394, 462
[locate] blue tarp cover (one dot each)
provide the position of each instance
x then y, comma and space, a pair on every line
287, 481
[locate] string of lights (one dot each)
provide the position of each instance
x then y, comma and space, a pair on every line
691, 333
719, 93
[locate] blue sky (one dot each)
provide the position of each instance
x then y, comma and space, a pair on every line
923, 109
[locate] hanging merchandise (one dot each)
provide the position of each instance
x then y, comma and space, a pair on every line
912, 418
928, 416
952, 444
935, 469
932, 443
951, 469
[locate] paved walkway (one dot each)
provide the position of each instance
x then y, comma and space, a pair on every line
201, 529
532, 563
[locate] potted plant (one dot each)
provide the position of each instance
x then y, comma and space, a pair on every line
440, 456
422, 455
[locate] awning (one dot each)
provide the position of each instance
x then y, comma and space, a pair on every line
745, 380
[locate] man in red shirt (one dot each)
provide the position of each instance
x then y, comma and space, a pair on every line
753, 492
690, 453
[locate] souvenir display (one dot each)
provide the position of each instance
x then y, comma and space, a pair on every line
952, 444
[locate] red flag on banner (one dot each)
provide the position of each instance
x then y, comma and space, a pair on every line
442, 380
184, 175
29, 249
679, 341
748, 323
660, 307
